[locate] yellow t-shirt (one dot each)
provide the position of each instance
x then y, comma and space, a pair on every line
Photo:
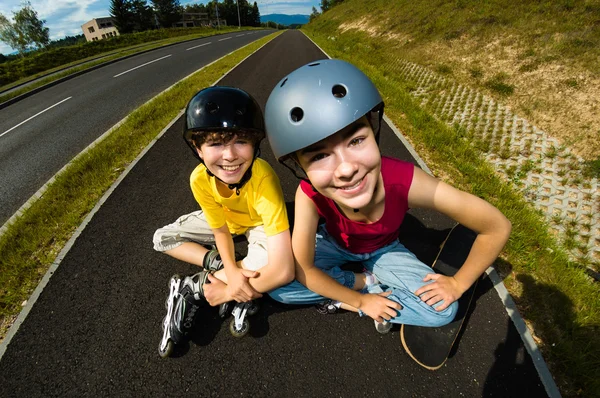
260, 201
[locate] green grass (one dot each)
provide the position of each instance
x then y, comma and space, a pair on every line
555, 295
32, 242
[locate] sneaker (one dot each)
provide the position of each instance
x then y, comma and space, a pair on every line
327, 307
383, 327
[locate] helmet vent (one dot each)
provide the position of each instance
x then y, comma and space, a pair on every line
315, 64
211, 107
339, 91
283, 82
296, 114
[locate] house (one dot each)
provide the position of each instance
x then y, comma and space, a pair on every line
99, 28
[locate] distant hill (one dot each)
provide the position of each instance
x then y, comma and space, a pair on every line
284, 19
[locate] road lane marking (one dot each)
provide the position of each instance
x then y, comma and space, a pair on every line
227, 38
240, 35
205, 44
37, 114
139, 66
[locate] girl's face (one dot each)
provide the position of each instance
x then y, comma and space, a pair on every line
227, 161
345, 167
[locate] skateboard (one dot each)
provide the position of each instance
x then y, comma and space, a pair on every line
431, 346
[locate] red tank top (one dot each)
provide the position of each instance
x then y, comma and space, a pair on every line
359, 237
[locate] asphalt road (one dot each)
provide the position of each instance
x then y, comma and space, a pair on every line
95, 329
43, 132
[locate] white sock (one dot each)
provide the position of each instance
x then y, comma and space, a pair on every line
370, 278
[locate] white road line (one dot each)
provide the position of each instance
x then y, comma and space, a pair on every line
205, 44
139, 66
37, 114
240, 35
227, 38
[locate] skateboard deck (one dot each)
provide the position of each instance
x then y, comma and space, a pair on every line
431, 346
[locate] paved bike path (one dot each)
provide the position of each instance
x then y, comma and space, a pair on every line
95, 328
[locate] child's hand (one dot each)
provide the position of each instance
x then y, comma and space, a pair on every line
378, 307
215, 292
238, 287
443, 288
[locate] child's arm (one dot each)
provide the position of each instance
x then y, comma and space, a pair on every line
303, 243
280, 268
492, 226
238, 287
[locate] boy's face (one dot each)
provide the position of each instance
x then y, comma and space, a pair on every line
345, 166
228, 160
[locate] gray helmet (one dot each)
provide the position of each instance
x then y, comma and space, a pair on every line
314, 102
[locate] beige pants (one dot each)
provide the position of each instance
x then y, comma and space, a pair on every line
194, 228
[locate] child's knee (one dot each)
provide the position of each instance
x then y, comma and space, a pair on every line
445, 316
163, 240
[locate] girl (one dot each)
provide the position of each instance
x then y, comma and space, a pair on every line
324, 118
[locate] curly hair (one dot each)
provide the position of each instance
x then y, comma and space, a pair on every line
224, 136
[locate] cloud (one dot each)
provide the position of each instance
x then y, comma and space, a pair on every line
63, 17
289, 7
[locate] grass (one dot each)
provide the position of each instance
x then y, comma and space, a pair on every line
560, 302
38, 79
548, 52
32, 242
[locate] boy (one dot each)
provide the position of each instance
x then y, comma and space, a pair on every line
324, 118
239, 193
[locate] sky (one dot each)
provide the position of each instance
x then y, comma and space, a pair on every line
65, 17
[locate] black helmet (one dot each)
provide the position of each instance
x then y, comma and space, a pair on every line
220, 108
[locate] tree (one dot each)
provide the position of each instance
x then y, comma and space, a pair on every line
167, 12
313, 14
33, 27
255, 15
325, 4
27, 30
122, 14
143, 16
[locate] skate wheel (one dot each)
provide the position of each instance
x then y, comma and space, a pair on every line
167, 351
239, 332
175, 276
252, 310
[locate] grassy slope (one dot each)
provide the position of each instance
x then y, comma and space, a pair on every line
559, 302
546, 51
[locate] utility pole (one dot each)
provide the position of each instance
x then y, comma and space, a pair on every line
239, 20
217, 8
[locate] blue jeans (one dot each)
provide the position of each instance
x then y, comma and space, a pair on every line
397, 269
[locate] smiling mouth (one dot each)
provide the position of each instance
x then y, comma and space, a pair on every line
230, 168
351, 187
